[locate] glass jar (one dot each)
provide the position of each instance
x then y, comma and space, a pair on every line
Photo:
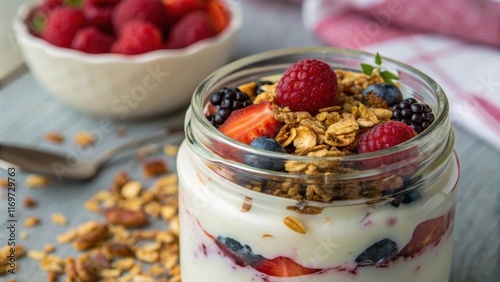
232, 230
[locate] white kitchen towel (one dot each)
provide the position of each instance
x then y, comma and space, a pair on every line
456, 42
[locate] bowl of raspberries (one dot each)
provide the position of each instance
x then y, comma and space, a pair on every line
125, 58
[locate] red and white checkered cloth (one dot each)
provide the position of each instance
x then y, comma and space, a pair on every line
456, 42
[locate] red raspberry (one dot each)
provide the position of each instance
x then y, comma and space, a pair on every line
62, 25
192, 28
91, 40
385, 135
137, 37
308, 85
145, 10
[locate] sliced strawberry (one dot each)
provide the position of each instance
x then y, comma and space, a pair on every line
283, 267
248, 123
243, 256
427, 233
218, 14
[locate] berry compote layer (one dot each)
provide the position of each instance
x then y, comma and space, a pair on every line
317, 175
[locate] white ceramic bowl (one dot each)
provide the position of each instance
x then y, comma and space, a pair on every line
119, 86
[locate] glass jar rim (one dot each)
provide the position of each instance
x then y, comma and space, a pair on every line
422, 158
441, 115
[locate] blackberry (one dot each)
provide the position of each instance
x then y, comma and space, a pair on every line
226, 101
415, 114
262, 83
407, 193
211, 119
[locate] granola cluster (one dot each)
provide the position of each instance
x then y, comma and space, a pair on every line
5, 252
333, 132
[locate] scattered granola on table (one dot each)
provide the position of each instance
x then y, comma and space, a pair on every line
154, 168
59, 219
37, 181
29, 202
170, 150
4, 182
122, 246
5, 252
112, 250
31, 221
147, 150
84, 139
23, 234
54, 137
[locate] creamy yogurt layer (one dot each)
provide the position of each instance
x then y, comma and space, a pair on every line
222, 241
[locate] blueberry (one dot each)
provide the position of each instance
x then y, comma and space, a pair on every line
406, 198
410, 197
242, 254
377, 253
268, 144
388, 92
262, 83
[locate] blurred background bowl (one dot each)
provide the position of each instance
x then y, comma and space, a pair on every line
124, 86
10, 57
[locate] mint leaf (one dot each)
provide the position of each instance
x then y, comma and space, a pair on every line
367, 69
388, 76
378, 59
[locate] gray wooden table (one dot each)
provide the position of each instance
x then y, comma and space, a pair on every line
27, 112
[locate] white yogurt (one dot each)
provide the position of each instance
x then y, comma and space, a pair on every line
211, 206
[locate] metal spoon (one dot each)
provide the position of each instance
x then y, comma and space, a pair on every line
63, 167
